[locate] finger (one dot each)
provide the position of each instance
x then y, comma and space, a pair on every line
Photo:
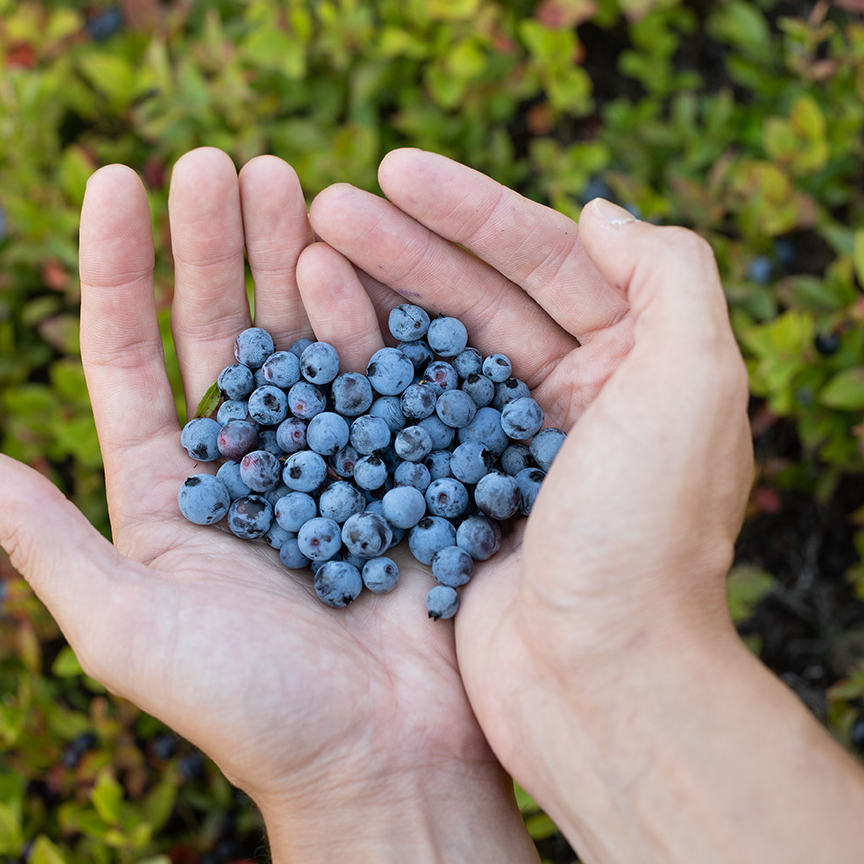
532, 245
277, 230
383, 299
428, 270
210, 304
340, 310
70, 566
668, 275
121, 346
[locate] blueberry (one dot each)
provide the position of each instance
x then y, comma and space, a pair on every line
471, 461
366, 534
516, 458
388, 409
369, 434
404, 506
249, 517
344, 462
441, 434
419, 353
236, 382
341, 500
442, 602
231, 410
305, 400
327, 432
442, 375
294, 510
479, 536
522, 418
319, 363
380, 575
229, 474
498, 496
268, 405
447, 336
480, 389
291, 434
370, 472
351, 394
468, 362
497, 368
408, 322
281, 369
456, 408
452, 566
304, 471
507, 391
759, 269
276, 535
298, 346
545, 446
269, 442
414, 474
413, 443
260, 470
252, 347
486, 428
203, 499
418, 400
827, 343
390, 371
237, 438
428, 536
319, 539
291, 556
446, 497
338, 583
438, 463
199, 439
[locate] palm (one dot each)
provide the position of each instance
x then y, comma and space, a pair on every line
207, 632
523, 283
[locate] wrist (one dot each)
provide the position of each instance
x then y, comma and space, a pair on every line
420, 814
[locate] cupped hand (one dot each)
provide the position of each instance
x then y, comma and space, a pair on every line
342, 724
621, 330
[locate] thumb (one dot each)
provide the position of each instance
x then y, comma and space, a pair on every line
72, 568
667, 274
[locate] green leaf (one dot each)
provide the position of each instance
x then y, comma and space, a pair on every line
107, 797
845, 391
858, 255
66, 664
745, 587
540, 826
108, 74
208, 404
10, 832
45, 852
159, 803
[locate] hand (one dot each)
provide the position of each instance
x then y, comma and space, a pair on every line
621, 330
350, 728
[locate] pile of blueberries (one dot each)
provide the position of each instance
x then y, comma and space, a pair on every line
333, 470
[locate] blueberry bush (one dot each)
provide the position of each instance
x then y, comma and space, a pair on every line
742, 119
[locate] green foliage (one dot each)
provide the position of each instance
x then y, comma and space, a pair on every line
731, 117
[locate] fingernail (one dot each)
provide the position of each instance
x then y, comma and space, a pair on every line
612, 213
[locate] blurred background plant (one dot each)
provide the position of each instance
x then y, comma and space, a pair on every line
740, 118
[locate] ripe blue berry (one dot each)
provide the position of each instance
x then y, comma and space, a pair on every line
252, 347
250, 517
408, 322
203, 499
380, 575
452, 566
442, 602
447, 336
338, 583
199, 439
319, 363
